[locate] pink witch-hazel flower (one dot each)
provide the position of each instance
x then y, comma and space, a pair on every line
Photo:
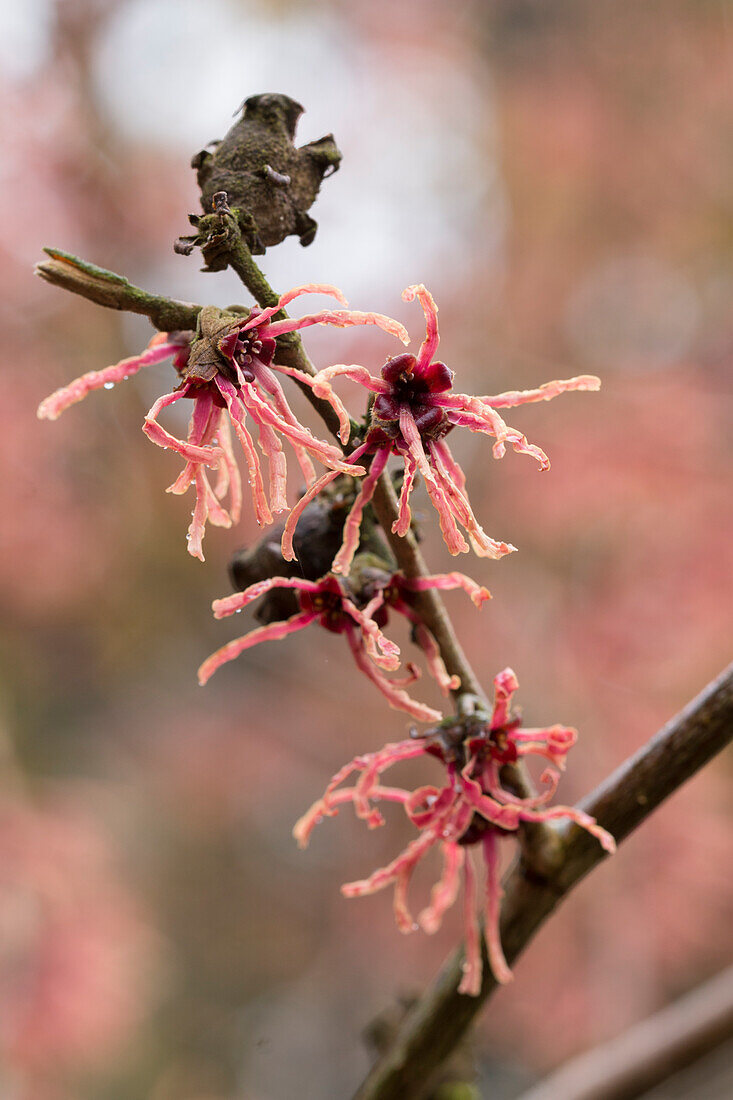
226, 368
471, 811
359, 613
413, 411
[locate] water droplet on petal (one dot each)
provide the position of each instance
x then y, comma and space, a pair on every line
109, 385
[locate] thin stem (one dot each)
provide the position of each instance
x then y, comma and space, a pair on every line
650, 1052
114, 291
241, 261
442, 1016
429, 604
290, 349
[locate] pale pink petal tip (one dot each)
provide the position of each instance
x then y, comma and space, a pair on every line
159, 348
313, 288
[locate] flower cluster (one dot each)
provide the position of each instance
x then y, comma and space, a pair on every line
227, 365
413, 411
227, 369
471, 809
359, 612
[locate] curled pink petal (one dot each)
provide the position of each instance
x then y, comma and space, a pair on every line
477, 592
382, 651
158, 349
456, 502
352, 371
326, 393
404, 517
296, 433
382, 877
395, 696
324, 806
445, 891
197, 526
431, 808
412, 437
272, 449
505, 685
158, 435
546, 392
448, 464
271, 633
506, 817
271, 384
584, 820
202, 430
228, 605
287, 548
352, 526
305, 825
233, 484
286, 543
260, 317
413, 675
209, 456
429, 345
492, 784
472, 966
237, 414
452, 537
494, 894
554, 743
341, 318
479, 417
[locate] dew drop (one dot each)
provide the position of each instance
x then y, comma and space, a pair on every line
109, 385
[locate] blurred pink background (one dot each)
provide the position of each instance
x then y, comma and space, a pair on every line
559, 176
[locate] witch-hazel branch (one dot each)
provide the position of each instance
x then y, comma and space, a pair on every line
227, 368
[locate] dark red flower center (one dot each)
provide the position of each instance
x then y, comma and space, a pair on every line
243, 348
329, 607
454, 742
414, 388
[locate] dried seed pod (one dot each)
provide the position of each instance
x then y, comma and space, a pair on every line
269, 182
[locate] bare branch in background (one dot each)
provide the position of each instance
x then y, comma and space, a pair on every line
631, 1064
